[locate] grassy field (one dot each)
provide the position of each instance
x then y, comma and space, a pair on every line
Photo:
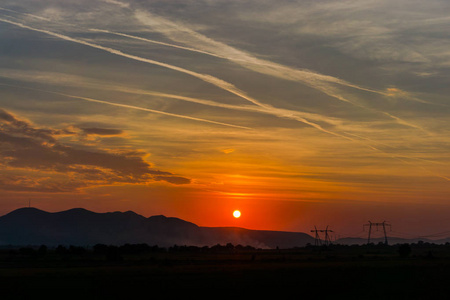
376, 272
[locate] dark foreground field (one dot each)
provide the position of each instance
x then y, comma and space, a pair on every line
339, 272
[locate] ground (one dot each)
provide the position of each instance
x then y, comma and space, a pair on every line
376, 272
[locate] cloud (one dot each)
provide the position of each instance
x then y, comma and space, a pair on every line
173, 179
121, 4
54, 166
207, 78
183, 34
10, 124
150, 110
400, 31
321, 82
157, 42
329, 85
101, 131
70, 80
25, 14
227, 151
204, 77
27, 183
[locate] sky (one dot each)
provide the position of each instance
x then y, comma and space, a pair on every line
301, 114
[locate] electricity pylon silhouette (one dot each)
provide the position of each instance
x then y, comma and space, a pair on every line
383, 224
317, 240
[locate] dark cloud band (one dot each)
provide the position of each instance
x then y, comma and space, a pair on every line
28, 148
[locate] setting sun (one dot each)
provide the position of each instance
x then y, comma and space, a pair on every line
236, 214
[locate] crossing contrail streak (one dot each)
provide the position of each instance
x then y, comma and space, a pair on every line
206, 78
324, 83
132, 107
156, 42
224, 51
152, 111
25, 14
75, 81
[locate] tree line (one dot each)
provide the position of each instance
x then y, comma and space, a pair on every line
114, 252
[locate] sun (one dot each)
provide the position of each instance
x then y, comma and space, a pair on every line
236, 214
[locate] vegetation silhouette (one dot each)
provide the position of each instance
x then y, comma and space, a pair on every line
415, 271
404, 250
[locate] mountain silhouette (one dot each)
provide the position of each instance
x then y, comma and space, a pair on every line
31, 226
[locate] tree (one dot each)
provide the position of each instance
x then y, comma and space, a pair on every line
404, 250
42, 250
61, 250
100, 249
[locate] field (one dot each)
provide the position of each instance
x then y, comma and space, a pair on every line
341, 272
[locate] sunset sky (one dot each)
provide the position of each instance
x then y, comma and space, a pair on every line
297, 113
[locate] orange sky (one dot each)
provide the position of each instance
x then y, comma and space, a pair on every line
293, 113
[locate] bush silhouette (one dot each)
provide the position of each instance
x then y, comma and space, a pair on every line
404, 250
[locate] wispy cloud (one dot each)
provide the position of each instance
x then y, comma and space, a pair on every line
26, 14
150, 110
196, 42
204, 77
119, 3
183, 34
324, 83
156, 42
319, 81
368, 30
127, 106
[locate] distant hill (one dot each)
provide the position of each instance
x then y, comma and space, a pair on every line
391, 241
31, 226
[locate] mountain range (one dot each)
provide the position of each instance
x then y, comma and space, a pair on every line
31, 226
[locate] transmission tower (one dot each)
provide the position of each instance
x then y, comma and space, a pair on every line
377, 225
317, 240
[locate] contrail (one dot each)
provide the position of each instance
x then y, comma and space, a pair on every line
62, 79
121, 4
318, 81
204, 77
131, 107
321, 82
207, 78
151, 110
270, 67
248, 108
405, 123
157, 42
188, 36
26, 14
